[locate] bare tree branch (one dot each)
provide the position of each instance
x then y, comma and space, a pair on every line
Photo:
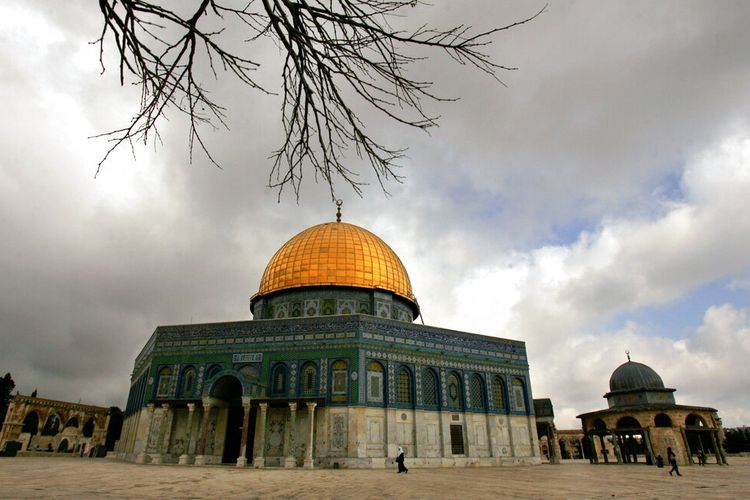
338, 55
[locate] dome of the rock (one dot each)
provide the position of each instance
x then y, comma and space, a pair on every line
336, 254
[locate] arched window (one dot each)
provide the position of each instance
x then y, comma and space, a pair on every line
430, 388
52, 426
212, 371
278, 379
72, 422
498, 393
63, 446
477, 392
599, 425
188, 381
454, 391
309, 379
519, 395
88, 428
339, 381
662, 420
694, 420
375, 373
628, 423
165, 378
31, 423
403, 386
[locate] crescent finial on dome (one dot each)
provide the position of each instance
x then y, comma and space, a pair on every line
338, 210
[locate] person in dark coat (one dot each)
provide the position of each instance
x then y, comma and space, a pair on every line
400, 461
672, 458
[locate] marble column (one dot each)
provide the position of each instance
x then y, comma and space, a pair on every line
649, 446
165, 428
259, 460
289, 459
185, 457
720, 448
200, 458
141, 457
242, 460
593, 455
715, 446
553, 445
689, 457
310, 436
605, 451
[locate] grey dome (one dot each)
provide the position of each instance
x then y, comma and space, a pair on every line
631, 376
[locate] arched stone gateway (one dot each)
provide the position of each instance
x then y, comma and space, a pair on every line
216, 427
44, 424
643, 420
63, 446
632, 442
238, 441
31, 423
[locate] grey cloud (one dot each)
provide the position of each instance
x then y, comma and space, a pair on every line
609, 98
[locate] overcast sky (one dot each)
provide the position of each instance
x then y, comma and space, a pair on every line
597, 204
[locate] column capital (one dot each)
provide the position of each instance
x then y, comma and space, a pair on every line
150, 407
191, 406
166, 406
311, 405
293, 406
263, 406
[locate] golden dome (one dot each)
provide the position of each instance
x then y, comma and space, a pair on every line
336, 254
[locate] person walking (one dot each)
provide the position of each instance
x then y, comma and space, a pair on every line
672, 458
400, 461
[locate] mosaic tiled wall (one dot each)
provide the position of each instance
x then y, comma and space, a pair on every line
322, 301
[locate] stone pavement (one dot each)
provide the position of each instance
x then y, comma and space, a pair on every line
70, 477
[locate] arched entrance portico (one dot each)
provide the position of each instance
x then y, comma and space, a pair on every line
31, 423
227, 390
632, 441
701, 438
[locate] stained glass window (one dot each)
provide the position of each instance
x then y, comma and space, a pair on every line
188, 381
165, 377
375, 382
339, 379
279, 379
519, 396
309, 379
498, 393
429, 388
404, 385
477, 392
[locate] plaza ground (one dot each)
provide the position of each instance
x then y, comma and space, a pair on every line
70, 477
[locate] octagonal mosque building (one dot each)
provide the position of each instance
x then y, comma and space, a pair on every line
331, 371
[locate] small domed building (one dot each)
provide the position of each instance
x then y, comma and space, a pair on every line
331, 371
643, 420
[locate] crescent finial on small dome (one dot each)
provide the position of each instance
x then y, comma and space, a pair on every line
338, 210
